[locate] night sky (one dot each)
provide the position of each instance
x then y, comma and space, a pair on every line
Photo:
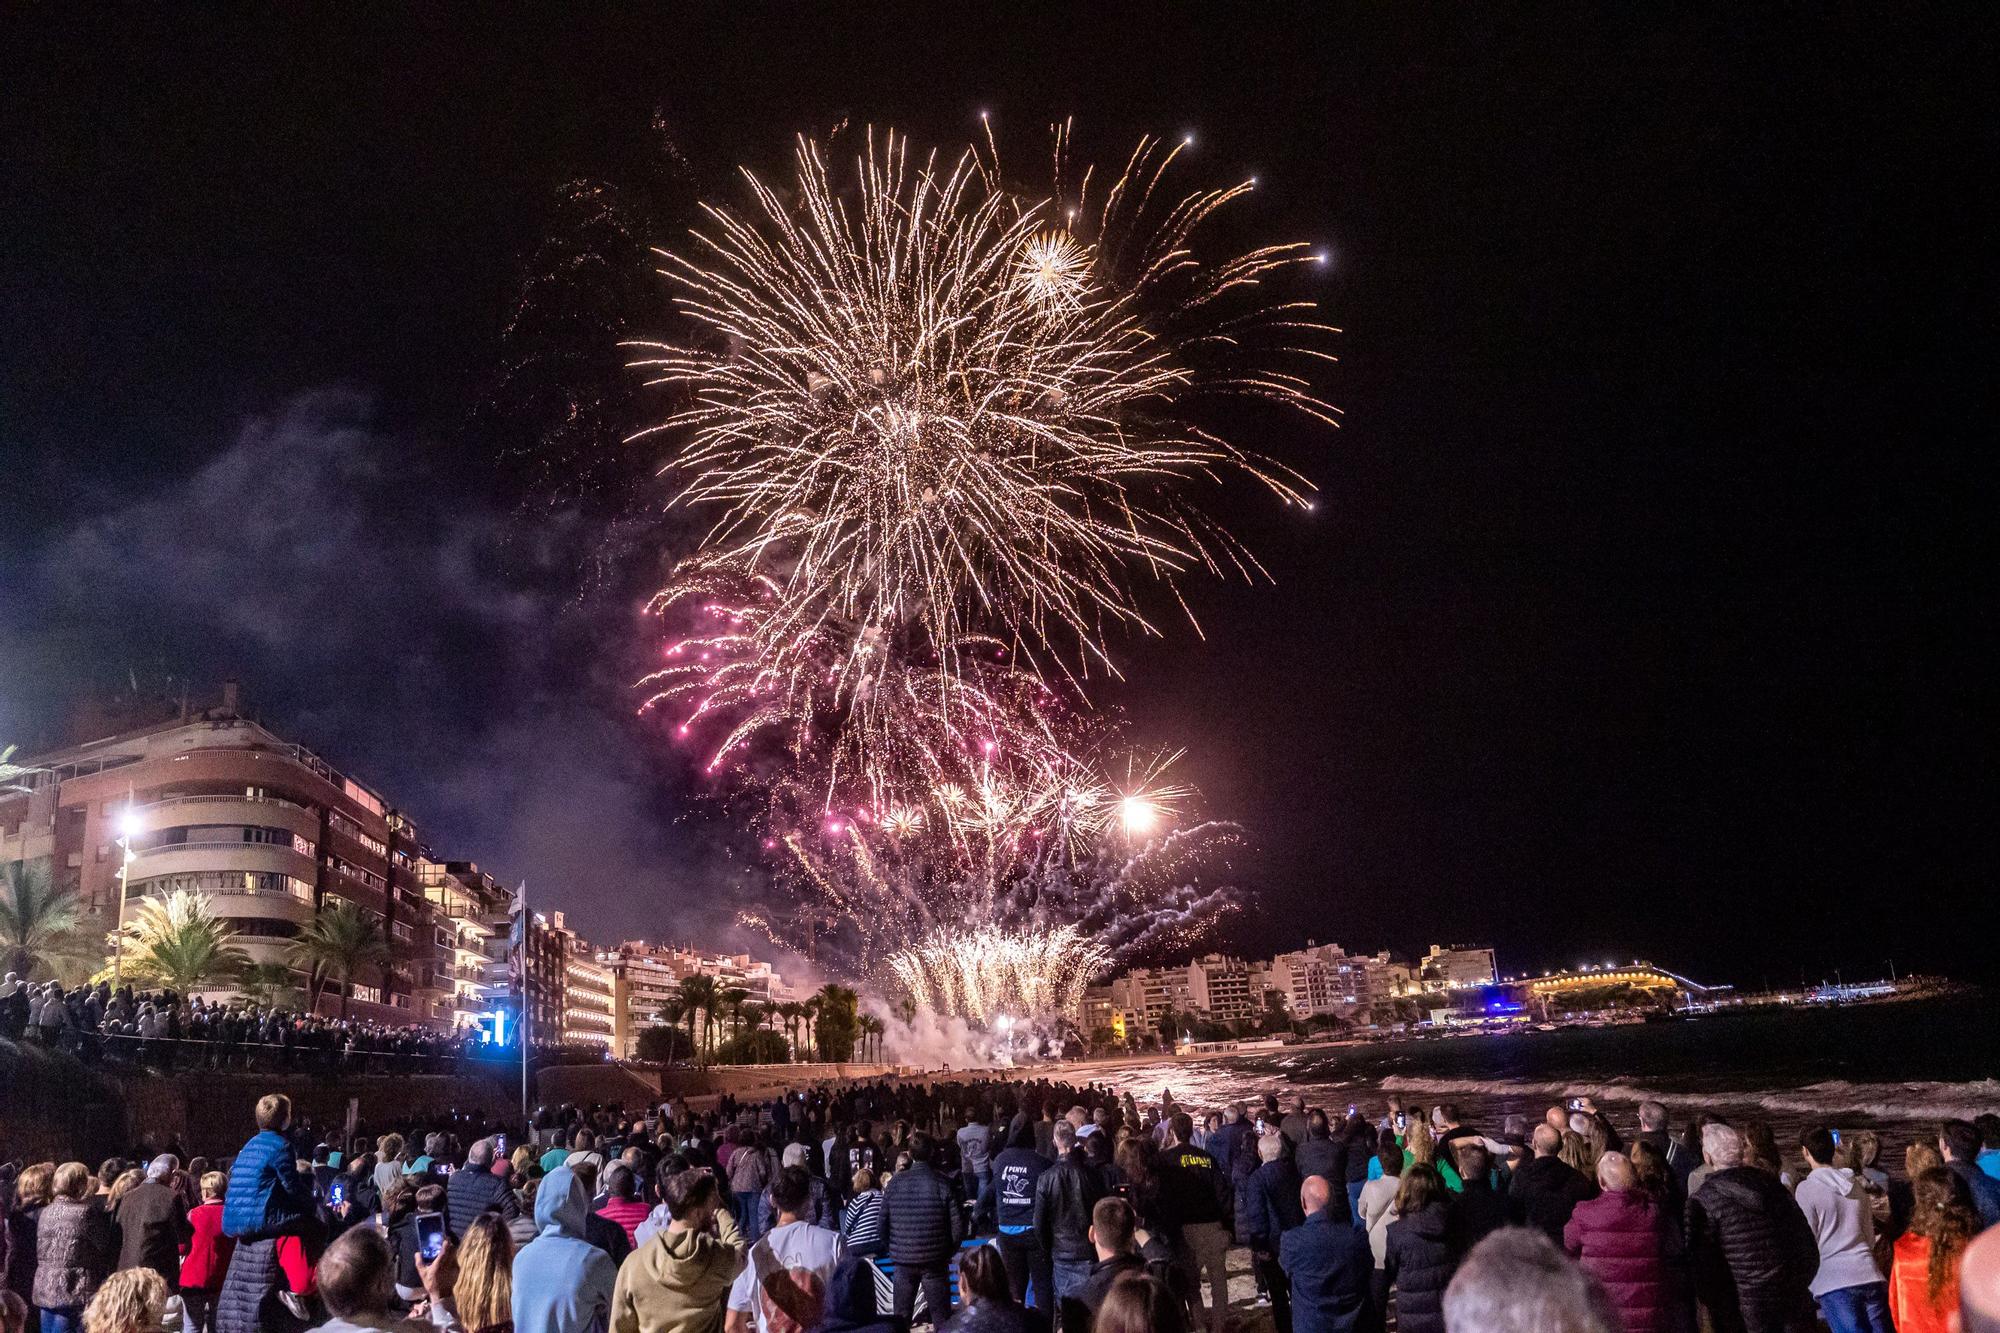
1645, 613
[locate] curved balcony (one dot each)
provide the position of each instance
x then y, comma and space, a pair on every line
255, 812
239, 905
265, 949
189, 858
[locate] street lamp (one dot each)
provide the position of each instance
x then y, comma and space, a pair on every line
128, 825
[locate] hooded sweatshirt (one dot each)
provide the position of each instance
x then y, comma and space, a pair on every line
1836, 1207
850, 1300
677, 1281
562, 1283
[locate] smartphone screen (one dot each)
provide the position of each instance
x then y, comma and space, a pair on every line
500, 1144
430, 1235
445, 1168
336, 1193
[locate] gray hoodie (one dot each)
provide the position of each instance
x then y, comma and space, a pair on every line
1836, 1208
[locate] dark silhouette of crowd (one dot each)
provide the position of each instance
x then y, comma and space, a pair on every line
1008, 1207
168, 1030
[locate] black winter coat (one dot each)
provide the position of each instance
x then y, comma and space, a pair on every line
921, 1223
1543, 1193
1418, 1264
1752, 1250
21, 1224
1360, 1150
1328, 1158
1476, 1211
249, 1299
473, 1191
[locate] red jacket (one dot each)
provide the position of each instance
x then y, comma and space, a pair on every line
208, 1253
1621, 1238
1910, 1303
627, 1213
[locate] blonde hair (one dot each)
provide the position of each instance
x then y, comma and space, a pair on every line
34, 1185
1576, 1152
72, 1180
484, 1292
123, 1186
1417, 1139
1919, 1158
131, 1301
211, 1185
274, 1109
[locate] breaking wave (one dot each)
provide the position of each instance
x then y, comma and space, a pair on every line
1882, 1101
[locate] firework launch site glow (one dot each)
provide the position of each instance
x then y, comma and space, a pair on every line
952, 439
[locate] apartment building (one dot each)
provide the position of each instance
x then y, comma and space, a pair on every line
214, 801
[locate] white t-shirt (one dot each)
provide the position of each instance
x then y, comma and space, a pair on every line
793, 1245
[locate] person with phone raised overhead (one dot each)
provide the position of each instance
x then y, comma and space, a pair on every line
357, 1282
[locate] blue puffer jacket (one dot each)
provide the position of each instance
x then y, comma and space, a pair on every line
266, 1192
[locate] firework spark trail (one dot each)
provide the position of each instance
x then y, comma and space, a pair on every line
940, 414
980, 935
948, 436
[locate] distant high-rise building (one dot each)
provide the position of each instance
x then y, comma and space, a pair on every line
472, 911
1460, 965
587, 1014
646, 977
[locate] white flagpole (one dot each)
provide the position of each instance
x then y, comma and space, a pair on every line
527, 1004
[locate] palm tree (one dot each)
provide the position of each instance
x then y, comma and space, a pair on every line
809, 1023
792, 1012
38, 918
269, 985
754, 1017
698, 995
836, 1016
670, 1014
732, 1001
339, 941
180, 943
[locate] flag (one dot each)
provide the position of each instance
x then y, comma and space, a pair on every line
517, 937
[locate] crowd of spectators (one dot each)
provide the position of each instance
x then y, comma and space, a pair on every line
1009, 1207
100, 1022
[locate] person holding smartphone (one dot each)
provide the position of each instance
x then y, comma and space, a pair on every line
407, 1240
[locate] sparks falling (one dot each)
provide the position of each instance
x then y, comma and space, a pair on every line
953, 439
928, 411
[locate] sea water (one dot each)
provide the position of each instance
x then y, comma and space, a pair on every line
1898, 1068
